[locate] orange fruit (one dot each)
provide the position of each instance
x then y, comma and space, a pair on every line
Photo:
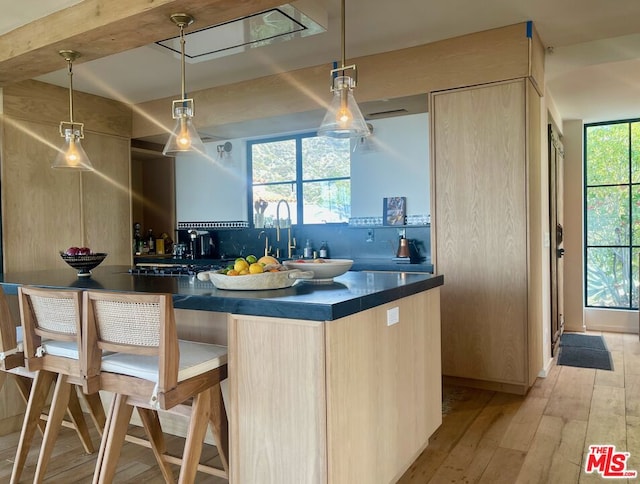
232, 272
267, 259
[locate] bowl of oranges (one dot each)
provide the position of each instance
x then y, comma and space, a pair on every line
253, 274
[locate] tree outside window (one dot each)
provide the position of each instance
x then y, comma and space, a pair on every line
312, 174
612, 214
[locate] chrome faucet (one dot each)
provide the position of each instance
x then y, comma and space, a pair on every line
290, 246
278, 227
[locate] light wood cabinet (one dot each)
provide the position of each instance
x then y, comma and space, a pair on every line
44, 210
487, 239
344, 401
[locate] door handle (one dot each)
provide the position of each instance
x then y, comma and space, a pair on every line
560, 253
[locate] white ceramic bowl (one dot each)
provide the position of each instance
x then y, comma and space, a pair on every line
326, 270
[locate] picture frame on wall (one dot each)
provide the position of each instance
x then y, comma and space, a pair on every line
394, 211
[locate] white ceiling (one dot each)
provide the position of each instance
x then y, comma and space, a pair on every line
592, 74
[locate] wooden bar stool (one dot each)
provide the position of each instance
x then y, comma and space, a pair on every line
147, 367
51, 326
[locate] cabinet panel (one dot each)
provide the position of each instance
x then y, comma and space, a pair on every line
106, 198
45, 210
41, 206
480, 199
384, 390
278, 415
344, 401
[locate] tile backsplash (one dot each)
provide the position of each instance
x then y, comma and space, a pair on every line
356, 240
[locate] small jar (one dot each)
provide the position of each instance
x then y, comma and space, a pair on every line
308, 250
324, 250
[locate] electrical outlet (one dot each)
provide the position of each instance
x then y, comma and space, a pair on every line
370, 235
393, 315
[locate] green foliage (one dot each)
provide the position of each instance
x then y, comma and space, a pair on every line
612, 172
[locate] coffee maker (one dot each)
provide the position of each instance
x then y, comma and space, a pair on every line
201, 245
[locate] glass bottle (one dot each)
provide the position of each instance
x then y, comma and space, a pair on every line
324, 250
151, 242
137, 238
308, 250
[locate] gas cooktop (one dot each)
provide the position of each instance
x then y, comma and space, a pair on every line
171, 269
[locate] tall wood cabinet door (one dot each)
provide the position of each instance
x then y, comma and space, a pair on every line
479, 195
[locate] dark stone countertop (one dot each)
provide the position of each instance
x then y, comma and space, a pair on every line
350, 293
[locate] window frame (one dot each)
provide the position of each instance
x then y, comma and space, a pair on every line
299, 180
632, 246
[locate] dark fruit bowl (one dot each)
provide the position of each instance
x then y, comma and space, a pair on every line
83, 263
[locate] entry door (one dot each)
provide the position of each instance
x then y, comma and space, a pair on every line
556, 229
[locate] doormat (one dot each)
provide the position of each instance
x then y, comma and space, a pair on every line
584, 351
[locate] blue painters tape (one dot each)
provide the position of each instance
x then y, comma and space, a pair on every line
529, 29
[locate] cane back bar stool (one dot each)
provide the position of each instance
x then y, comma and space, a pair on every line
51, 325
147, 367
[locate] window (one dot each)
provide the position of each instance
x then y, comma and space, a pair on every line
612, 213
312, 174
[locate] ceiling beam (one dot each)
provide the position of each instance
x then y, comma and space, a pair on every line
96, 29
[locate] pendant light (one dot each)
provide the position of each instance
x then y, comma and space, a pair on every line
184, 137
343, 118
71, 155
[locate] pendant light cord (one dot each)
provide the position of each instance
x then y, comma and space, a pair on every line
70, 63
182, 72
342, 33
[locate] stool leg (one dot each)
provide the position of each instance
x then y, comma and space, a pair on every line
23, 383
220, 425
76, 415
152, 426
118, 422
59, 405
103, 440
37, 398
96, 410
201, 409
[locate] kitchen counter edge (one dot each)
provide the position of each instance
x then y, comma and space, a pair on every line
350, 293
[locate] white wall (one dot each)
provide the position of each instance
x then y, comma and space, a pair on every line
573, 228
396, 165
212, 188
394, 161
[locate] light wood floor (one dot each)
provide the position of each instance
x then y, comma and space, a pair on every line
490, 437
70, 464
485, 437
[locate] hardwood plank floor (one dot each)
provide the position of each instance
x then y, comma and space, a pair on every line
485, 437
544, 436
69, 463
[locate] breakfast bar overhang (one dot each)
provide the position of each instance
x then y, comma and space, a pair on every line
337, 382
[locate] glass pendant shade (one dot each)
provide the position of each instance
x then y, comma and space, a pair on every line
72, 155
343, 118
184, 137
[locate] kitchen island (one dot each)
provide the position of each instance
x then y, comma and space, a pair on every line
336, 382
